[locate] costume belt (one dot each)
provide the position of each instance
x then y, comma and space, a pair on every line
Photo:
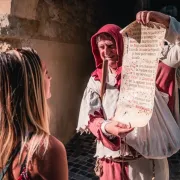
126, 158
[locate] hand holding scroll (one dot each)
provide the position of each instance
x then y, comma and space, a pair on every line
118, 129
145, 16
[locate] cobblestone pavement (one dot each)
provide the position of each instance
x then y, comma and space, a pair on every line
80, 151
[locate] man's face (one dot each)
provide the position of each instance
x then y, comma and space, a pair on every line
107, 50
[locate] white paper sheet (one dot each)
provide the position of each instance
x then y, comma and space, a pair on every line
142, 48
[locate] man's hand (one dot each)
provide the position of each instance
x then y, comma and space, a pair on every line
145, 16
118, 129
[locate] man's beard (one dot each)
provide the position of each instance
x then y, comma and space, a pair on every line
113, 64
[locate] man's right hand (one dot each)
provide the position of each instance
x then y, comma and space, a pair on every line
118, 129
145, 16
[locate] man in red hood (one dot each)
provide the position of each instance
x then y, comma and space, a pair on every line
117, 160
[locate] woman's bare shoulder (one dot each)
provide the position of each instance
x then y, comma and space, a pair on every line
54, 163
56, 145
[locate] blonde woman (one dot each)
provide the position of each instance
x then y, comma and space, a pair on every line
27, 150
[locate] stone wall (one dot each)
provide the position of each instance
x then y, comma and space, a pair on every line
60, 32
73, 21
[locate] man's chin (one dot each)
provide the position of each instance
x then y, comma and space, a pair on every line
112, 64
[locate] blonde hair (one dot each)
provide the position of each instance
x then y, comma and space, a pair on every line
22, 104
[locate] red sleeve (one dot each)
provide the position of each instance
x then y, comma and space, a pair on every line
95, 127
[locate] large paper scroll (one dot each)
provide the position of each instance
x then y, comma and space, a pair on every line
142, 48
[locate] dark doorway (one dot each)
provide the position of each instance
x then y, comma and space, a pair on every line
157, 5
118, 12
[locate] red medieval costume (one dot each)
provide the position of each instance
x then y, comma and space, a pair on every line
93, 113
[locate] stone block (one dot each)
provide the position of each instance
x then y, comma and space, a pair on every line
5, 7
24, 8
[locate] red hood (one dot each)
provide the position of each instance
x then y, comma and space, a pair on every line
114, 31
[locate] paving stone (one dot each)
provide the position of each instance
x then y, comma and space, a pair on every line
80, 152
